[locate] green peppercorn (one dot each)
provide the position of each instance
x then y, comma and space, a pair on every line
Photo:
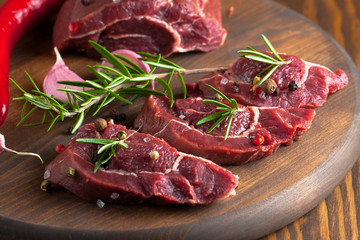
154, 155
293, 86
121, 135
45, 185
218, 97
70, 172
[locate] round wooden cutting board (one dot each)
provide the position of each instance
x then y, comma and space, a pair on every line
274, 191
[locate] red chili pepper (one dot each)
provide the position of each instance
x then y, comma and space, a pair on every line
16, 18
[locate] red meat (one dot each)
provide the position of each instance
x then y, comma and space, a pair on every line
177, 126
134, 177
315, 83
156, 26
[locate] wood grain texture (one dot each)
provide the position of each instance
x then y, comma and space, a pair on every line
263, 182
341, 19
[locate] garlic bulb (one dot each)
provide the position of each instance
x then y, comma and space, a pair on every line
59, 72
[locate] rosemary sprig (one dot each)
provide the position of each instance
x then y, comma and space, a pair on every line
255, 55
108, 149
110, 84
224, 112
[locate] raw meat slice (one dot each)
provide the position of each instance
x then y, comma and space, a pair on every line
134, 177
314, 83
177, 127
153, 26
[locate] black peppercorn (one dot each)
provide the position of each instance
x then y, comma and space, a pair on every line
117, 116
85, 2
293, 86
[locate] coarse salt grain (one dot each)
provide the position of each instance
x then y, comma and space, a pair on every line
46, 174
147, 139
100, 203
224, 81
114, 195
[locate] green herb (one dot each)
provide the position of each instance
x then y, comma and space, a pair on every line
108, 149
111, 84
274, 63
224, 112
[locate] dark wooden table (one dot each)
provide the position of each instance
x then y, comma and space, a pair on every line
338, 216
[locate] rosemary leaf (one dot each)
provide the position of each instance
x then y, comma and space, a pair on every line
167, 88
79, 122
110, 58
101, 105
155, 64
271, 47
228, 126
162, 60
220, 93
53, 122
131, 63
37, 101
76, 83
17, 85
26, 116
94, 84
142, 79
182, 83
142, 91
32, 81
222, 118
100, 75
23, 110
217, 103
120, 97
261, 72
78, 92
99, 141
210, 117
44, 117
267, 75
257, 53
260, 59
51, 99
224, 111
102, 160
116, 83
109, 69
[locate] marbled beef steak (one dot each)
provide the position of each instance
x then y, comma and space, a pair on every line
134, 176
177, 126
314, 83
153, 26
